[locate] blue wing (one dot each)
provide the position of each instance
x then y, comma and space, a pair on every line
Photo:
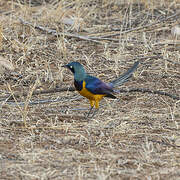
96, 86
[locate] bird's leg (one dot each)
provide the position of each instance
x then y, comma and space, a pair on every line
97, 108
95, 111
90, 111
92, 106
96, 103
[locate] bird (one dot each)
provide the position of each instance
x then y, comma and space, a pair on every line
92, 87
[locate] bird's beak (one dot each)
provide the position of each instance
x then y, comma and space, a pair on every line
65, 66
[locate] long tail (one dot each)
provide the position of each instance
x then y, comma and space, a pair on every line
125, 77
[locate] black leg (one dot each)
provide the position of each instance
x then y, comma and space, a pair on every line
95, 111
90, 111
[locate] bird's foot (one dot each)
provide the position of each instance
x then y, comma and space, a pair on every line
91, 113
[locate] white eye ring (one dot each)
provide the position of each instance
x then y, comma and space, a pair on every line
71, 67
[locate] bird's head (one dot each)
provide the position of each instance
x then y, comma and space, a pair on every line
77, 69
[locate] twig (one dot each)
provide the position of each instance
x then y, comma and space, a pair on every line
142, 90
163, 143
41, 101
17, 95
55, 33
173, 62
94, 38
139, 28
155, 57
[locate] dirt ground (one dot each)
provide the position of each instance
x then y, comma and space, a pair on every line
46, 136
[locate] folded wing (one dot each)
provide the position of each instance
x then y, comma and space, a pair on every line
96, 86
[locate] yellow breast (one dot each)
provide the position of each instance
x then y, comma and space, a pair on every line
84, 92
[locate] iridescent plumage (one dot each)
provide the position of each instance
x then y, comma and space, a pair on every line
93, 88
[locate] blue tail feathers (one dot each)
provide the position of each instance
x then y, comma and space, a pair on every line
125, 77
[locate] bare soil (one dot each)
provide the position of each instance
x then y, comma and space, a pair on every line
135, 136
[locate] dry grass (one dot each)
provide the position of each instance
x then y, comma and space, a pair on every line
134, 137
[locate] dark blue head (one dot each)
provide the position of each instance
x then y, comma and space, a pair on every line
77, 69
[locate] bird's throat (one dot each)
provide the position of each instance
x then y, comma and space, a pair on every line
78, 76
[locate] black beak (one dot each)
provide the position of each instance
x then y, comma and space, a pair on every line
65, 66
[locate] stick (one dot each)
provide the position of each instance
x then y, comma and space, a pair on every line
138, 28
141, 90
55, 33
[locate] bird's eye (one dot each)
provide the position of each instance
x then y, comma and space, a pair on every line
71, 67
